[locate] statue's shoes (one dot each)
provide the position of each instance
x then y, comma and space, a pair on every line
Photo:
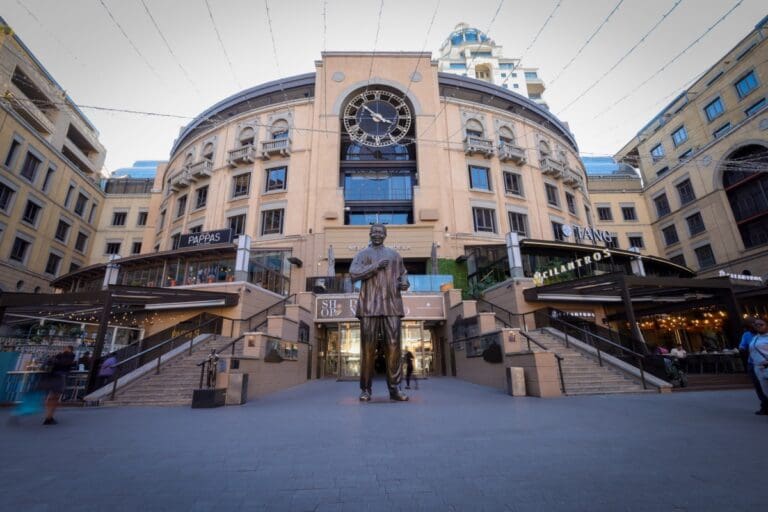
398, 396
365, 396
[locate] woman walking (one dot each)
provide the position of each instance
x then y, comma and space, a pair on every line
758, 351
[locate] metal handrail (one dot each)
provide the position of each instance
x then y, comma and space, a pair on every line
590, 337
558, 357
510, 314
158, 346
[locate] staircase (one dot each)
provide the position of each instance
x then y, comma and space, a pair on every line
175, 382
582, 374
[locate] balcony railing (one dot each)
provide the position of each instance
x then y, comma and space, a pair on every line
572, 178
428, 283
27, 109
478, 145
180, 180
280, 147
243, 155
510, 152
201, 169
552, 167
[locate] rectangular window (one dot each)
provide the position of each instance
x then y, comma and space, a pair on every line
47, 181
687, 154
181, 206
241, 184
662, 205
557, 231
629, 213
679, 136
52, 266
6, 197
513, 183
695, 224
531, 74
19, 250
272, 222
685, 190
678, 258
755, 108
80, 204
161, 222
604, 213
30, 167
661, 172
670, 235
112, 248
484, 220
518, 222
552, 196
276, 179
118, 218
657, 153
479, 178
136, 248
81, 242
196, 229
62, 231
613, 243
141, 220
237, 224
636, 241
746, 84
201, 197
457, 65
722, 130
31, 212
705, 256
74, 266
714, 110
570, 200
175, 241
12, 152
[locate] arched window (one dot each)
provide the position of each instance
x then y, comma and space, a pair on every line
279, 129
474, 128
746, 185
247, 136
506, 136
208, 151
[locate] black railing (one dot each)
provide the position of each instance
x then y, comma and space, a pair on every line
512, 320
557, 319
559, 358
623, 339
155, 353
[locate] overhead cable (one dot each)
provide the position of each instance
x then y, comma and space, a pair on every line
130, 42
221, 43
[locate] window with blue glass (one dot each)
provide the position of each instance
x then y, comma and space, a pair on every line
746, 84
384, 217
479, 178
506, 65
679, 136
458, 65
531, 75
276, 179
482, 54
657, 153
470, 36
714, 109
722, 130
378, 186
755, 108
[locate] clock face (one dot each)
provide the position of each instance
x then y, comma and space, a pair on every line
377, 118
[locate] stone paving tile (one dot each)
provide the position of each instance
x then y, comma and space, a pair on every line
456, 447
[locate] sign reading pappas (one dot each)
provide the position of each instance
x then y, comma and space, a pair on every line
221, 236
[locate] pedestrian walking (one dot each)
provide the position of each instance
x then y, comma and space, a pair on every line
60, 366
107, 370
758, 351
745, 347
408, 368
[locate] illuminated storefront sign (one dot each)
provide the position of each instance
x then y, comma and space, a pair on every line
540, 276
581, 233
342, 308
741, 277
222, 236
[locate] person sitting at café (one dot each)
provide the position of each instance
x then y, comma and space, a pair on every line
679, 353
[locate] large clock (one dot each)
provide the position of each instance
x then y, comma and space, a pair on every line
377, 118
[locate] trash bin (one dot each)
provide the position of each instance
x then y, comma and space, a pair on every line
515, 381
237, 390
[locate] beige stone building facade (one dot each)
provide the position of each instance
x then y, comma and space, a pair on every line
703, 160
50, 201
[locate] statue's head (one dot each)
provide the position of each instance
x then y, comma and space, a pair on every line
378, 234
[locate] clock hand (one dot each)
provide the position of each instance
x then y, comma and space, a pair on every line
374, 115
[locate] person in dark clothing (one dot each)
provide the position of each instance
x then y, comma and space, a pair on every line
380, 309
745, 347
60, 365
408, 368
85, 360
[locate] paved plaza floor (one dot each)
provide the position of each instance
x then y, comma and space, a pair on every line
456, 446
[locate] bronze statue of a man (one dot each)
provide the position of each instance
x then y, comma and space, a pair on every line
380, 308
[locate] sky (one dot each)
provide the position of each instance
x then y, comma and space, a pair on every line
206, 50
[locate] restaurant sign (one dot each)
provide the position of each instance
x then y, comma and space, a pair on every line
221, 236
580, 233
741, 277
342, 308
541, 276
